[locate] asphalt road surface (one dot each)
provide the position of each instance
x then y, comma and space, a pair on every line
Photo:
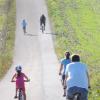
35, 52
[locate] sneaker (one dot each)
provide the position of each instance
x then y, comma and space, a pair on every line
64, 95
15, 97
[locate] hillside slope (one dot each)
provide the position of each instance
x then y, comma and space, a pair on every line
79, 21
35, 52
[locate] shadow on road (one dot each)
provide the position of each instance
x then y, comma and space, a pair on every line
30, 34
41, 33
51, 33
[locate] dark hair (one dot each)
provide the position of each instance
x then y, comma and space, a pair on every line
67, 54
75, 58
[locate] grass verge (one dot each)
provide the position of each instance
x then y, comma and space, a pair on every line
2, 19
80, 23
2, 2
7, 55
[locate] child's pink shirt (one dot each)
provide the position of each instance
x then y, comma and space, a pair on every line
20, 81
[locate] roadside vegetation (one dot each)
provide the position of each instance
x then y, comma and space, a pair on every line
77, 25
7, 34
2, 2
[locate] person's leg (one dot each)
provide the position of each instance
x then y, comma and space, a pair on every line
24, 28
69, 94
62, 80
64, 92
16, 93
84, 94
44, 25
24, 96
24, 93
40, 25
64, 85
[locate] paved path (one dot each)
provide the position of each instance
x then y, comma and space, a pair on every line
35, 52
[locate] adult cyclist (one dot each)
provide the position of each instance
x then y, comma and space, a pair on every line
62, 69
77, 79
42, 21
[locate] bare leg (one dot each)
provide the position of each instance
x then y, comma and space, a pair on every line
64, 86
24, 29
16, 93
24, 96
64, 92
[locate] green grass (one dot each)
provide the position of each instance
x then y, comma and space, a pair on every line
2, 20
80, 22
2, 2
6, 55
2, 16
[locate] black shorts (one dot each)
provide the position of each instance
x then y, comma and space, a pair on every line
24, 27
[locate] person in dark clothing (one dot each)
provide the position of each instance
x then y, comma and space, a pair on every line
42, 21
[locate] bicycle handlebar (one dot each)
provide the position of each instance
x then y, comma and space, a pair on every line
24, 80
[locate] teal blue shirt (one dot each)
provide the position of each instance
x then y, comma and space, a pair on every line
65, 62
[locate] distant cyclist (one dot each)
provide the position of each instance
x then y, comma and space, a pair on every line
62, 69
24, 25
20, 78
42, 21
77, 79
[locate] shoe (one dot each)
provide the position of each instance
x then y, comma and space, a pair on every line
15, 97
64, 95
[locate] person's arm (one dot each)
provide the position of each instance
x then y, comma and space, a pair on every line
13, 78
27, 79
89, 86
66, 76
61, 67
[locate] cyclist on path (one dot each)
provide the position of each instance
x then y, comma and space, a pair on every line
42, 21
62, 69
77, 79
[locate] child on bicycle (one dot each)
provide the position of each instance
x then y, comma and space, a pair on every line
20, 78
24, 24
64, 63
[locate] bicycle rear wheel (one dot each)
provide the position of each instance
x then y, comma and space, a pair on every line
77, 97
42, 28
